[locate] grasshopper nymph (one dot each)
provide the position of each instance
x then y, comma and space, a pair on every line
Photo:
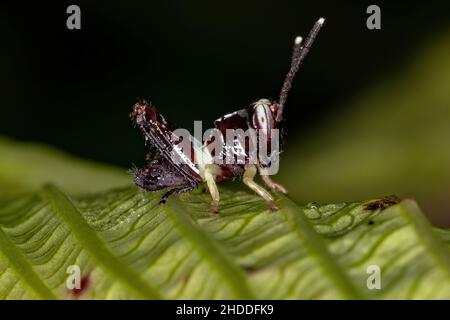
262, 116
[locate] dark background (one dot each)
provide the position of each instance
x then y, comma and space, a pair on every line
194, 60
198, 60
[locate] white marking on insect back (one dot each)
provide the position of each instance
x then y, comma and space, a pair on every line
182, 152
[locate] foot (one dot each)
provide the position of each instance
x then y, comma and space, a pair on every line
279, 188
215, 207
272, 206
273, 185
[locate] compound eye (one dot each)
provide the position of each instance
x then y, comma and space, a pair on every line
262, 118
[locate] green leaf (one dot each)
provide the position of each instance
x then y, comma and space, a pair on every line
129, 247
27, 166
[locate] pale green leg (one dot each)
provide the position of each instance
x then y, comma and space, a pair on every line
248, 179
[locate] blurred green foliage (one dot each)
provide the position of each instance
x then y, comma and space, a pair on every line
25, 167
127, 246
394, 138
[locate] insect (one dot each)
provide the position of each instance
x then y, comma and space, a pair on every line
263, 116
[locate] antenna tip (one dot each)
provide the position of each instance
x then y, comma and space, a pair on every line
298, 40
321, 21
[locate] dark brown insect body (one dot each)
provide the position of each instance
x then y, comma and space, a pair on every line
204, 163
161, 172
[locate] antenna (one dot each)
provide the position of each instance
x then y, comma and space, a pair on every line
299, 52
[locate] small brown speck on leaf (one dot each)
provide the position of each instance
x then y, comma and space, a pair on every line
85, 283
249, 269
382, 204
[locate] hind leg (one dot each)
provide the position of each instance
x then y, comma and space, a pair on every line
157, 176
160, 175
248, 179
174, 191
